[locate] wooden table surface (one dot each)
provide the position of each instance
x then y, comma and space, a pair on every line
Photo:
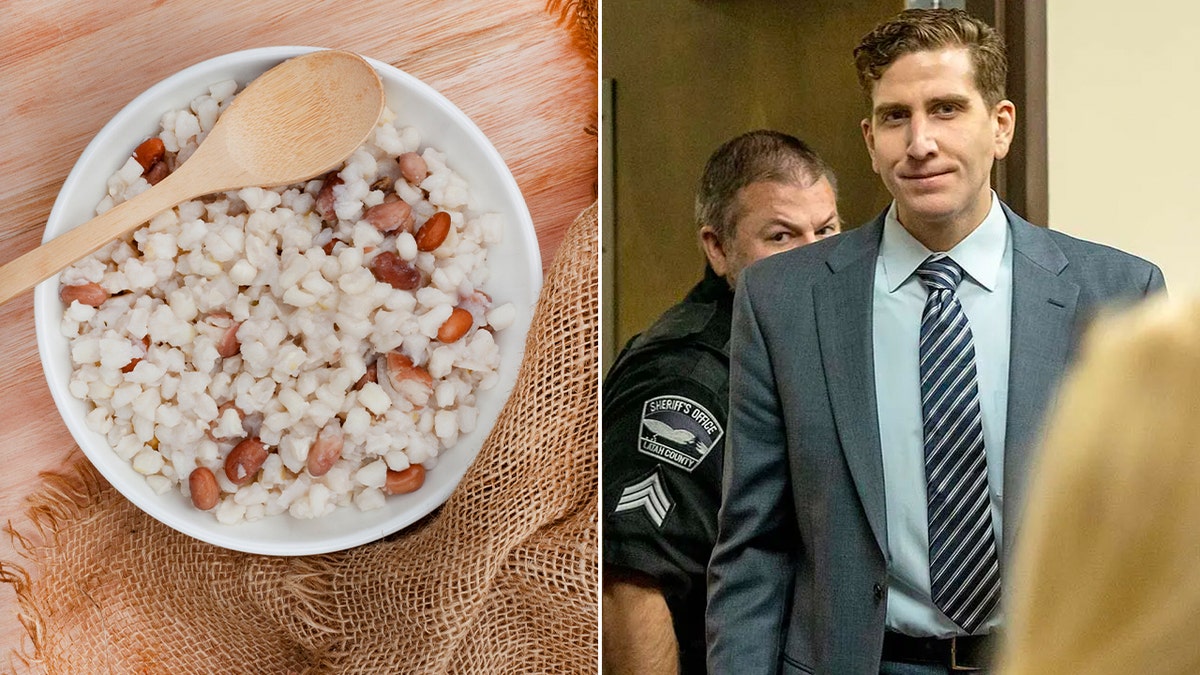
67, 67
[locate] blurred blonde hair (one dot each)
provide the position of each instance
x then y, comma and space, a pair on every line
1106, 578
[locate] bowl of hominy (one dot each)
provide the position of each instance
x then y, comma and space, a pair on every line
297, 369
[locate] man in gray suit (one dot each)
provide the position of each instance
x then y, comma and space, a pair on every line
886, 386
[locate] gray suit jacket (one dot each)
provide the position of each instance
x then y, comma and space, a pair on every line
798, 578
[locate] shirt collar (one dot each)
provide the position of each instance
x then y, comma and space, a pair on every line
979, 254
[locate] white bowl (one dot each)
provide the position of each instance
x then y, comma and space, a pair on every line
516, 277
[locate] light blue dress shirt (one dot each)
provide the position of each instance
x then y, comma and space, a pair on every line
898, 301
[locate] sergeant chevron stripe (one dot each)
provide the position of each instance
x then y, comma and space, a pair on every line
646, 494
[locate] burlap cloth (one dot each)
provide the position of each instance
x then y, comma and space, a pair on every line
501, 579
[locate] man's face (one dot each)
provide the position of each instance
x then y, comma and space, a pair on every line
773, 217
933, 140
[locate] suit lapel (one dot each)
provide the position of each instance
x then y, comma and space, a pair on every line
843, 313
1043, 313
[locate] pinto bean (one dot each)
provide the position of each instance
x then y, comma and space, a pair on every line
150, 151
139, 349
433, 232
89, 293
203, 486
372, 375
325, 199
333, 240
393, 270
402, 482
229, 345
413, 167
245, 460
157, 172
400, 368
390, 216
326, 450
456, 326
383, 183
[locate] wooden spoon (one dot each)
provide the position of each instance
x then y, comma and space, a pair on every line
294, 122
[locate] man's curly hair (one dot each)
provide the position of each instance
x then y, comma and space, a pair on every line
917, 30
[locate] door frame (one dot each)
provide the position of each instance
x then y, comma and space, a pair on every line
1021, 180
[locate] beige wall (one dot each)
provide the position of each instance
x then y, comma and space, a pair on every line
690, 74
1123, 98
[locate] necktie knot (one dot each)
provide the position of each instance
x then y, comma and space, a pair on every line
939, 274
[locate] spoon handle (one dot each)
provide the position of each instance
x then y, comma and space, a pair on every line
22, 273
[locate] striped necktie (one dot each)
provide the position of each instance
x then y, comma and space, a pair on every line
963, 567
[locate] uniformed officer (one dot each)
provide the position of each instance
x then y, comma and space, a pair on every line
665, 401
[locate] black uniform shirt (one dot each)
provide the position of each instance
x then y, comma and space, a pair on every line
665, 403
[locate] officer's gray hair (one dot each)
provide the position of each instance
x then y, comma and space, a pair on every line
754, 156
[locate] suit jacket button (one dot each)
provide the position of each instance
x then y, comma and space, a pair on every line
878, 590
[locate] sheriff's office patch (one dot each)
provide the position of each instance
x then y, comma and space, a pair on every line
647, 494
678, 431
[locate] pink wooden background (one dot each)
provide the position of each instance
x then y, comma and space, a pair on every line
67, 67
